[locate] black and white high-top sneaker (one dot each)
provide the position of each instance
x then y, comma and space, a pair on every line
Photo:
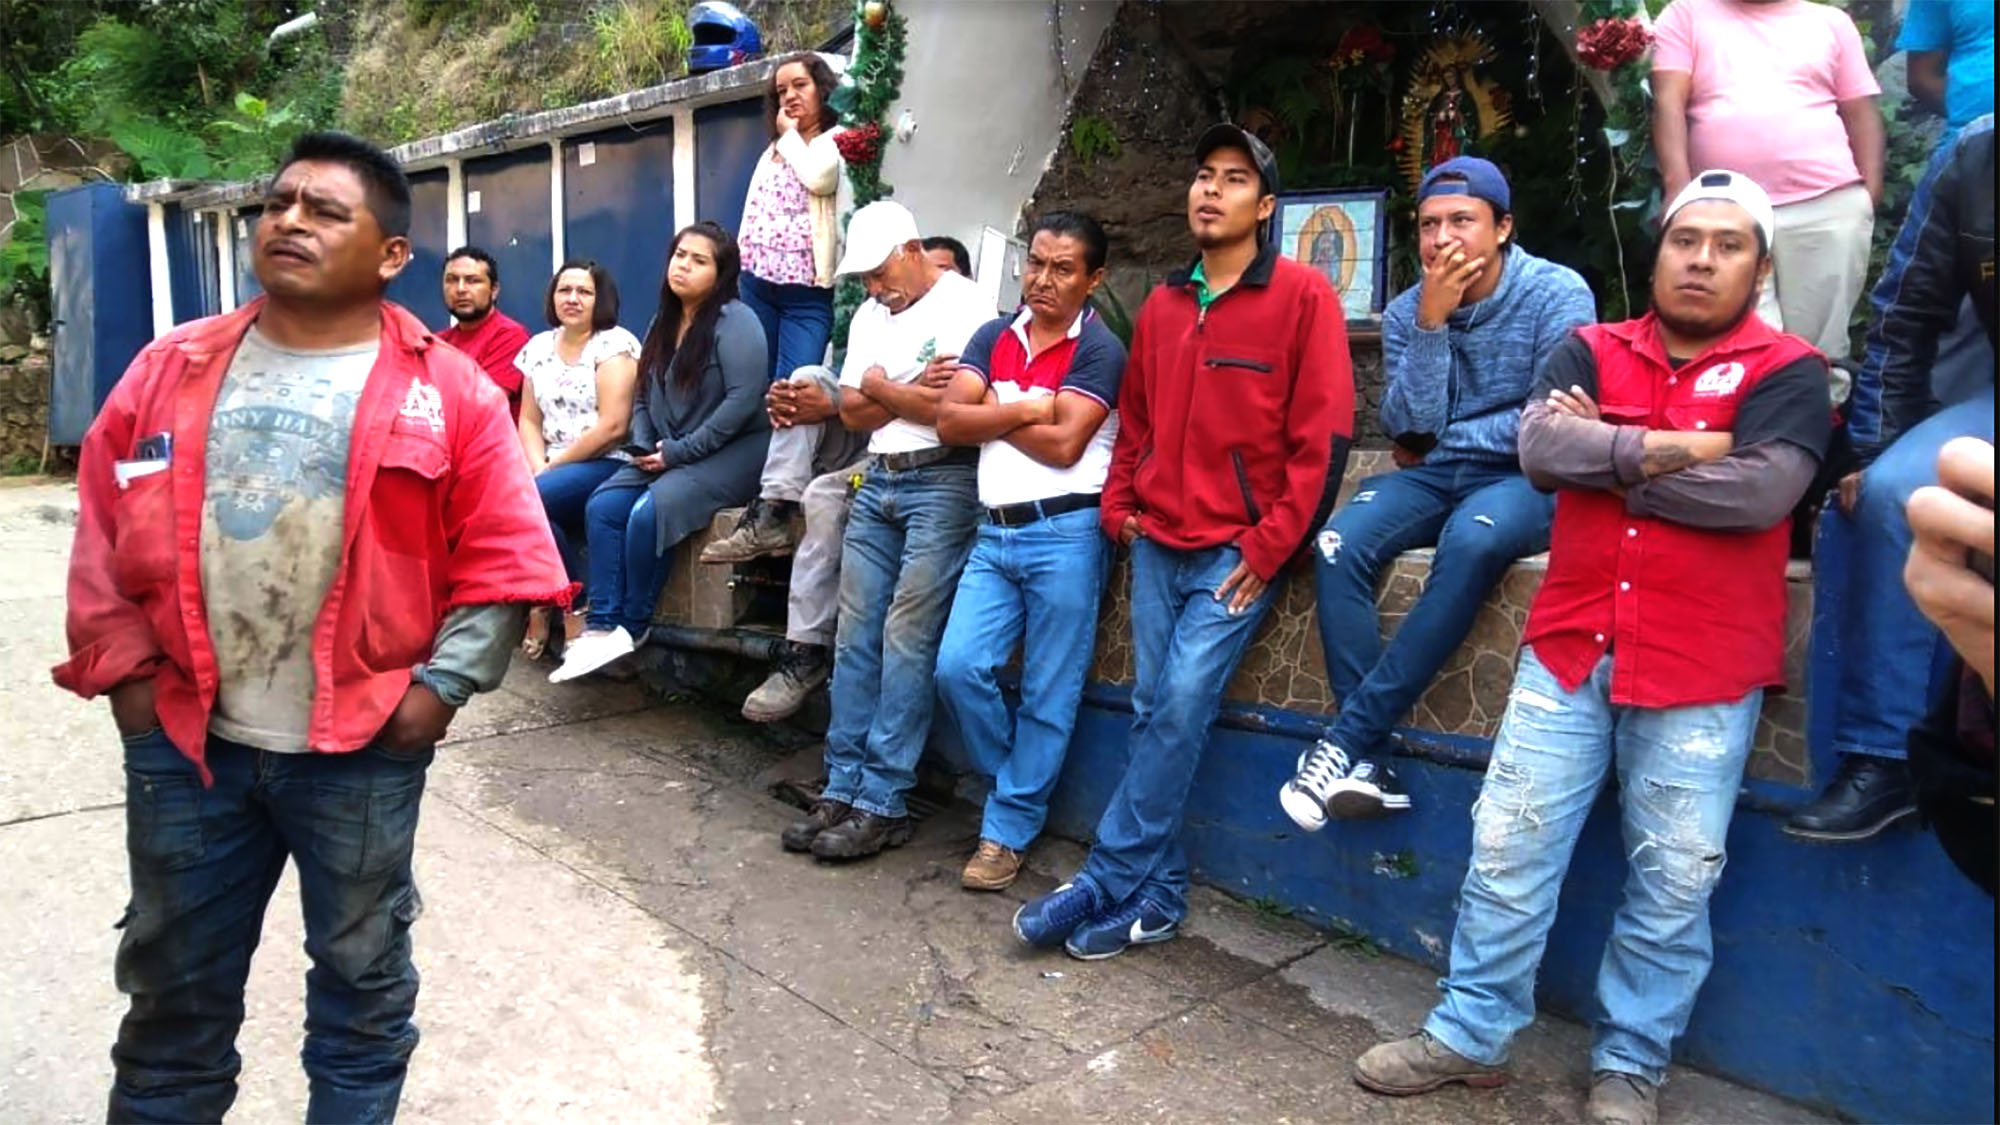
1319, 771
1369, 790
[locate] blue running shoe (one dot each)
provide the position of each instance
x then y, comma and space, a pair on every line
1044, 922
1141, 922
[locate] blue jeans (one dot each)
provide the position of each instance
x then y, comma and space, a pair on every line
907, 537
1678, 773
565, 491
1042, 582
1887, 644
204, 863
626, 572
1480, 517
1185, 647
797, 320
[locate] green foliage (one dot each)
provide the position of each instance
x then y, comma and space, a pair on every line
22, 464
24, 252
162, 152
873, 82
1112, 311
638, 43
1092, 136
1345, 935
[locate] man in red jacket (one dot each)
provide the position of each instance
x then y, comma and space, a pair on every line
478, 327
306, 538
1677, 445
1237, 408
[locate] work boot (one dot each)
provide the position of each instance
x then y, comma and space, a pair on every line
991, 868
799, 836
1867, 794
1418, 1065
861, 835
800, 669
1621, 1099
765, 529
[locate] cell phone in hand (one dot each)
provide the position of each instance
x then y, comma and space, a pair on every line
636, 450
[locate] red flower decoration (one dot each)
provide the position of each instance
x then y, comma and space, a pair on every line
1362, 44
1610, 44
861, 144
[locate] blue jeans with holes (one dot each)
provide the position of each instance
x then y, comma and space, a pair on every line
626, 572
1185, 647
1888, 647
565, 492
1040, 582
797, 320
1480, 517
204, 863
908, 534
1678, 772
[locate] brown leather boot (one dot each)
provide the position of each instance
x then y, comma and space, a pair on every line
799, 835
991, 868
861, 835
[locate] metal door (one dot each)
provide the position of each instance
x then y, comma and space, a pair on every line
728, 139
103, 297
618, 207
419, 288
507, 215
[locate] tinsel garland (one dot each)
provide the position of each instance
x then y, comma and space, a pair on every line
873, 82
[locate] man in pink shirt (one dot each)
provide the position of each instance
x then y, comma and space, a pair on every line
1779, 90
478, 327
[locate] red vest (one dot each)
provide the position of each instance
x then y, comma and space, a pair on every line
1690, 616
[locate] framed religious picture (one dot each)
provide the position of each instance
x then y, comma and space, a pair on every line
1344, 235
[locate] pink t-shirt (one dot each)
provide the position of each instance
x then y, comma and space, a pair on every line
1767, 79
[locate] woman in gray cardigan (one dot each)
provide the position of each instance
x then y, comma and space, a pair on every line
699, 434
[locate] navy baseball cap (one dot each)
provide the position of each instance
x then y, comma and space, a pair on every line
1225, 135
1481, 181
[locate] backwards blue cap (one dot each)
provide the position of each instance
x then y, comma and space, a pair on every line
1481, 181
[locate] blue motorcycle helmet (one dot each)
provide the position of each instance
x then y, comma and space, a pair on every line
723, 37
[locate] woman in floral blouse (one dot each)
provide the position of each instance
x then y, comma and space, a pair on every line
576, 407
791, 217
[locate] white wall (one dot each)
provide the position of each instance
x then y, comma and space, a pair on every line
983, 81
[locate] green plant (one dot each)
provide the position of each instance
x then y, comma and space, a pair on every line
160, 151
256, 139
1343, 934
24, 251
21, 464
1269, 908
638, 43
1092, 136
1112, 311
522, 25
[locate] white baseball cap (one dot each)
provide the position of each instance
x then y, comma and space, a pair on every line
874, 233
1726, 187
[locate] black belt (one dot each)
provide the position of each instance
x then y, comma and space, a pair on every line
1028, 511
925, 458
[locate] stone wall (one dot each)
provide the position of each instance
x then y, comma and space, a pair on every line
24, 405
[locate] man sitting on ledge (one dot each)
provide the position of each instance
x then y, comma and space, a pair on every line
1679, 444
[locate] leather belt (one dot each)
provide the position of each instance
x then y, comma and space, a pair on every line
1028, 511
925, 458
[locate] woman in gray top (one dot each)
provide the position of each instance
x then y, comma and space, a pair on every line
698, 439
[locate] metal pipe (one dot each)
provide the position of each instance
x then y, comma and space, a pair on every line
761, 647
290, 28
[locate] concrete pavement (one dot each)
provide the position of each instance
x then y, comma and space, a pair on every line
612, 934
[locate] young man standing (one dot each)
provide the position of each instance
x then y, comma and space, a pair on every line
1036, 392
307, 536
1780, 90
910, 528
478, 327
1234, 421
1648, 650
1461, 350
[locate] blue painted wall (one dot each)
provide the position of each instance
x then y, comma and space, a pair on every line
192, 264
1858, 979
728, 139
419, 288
512, 224
619, 209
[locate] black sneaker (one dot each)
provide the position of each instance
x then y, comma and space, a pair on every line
1867, 794
1369, 790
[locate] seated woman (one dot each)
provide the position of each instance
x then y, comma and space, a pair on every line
576, 407
703, 373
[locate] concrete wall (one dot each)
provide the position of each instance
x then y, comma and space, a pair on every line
987, 83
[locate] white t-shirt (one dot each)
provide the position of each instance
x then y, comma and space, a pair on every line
271, 529
942, 323
567, 392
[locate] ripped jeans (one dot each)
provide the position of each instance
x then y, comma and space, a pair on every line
1678, 773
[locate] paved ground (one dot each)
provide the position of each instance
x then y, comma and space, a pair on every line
613, 935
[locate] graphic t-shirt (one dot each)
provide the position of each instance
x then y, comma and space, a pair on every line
567, 392
941, 323
271, 528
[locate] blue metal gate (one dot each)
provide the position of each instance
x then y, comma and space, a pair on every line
507, 215
618, 207
103, 295
419, 287
728, 139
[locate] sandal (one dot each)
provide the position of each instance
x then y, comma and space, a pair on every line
537, 640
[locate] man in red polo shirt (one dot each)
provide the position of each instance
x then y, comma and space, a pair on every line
1677, 445
478, 327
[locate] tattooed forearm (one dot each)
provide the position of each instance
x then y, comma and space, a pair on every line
1666, 457
1670, 451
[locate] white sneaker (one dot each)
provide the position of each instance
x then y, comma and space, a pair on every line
1320, 769
592, 651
